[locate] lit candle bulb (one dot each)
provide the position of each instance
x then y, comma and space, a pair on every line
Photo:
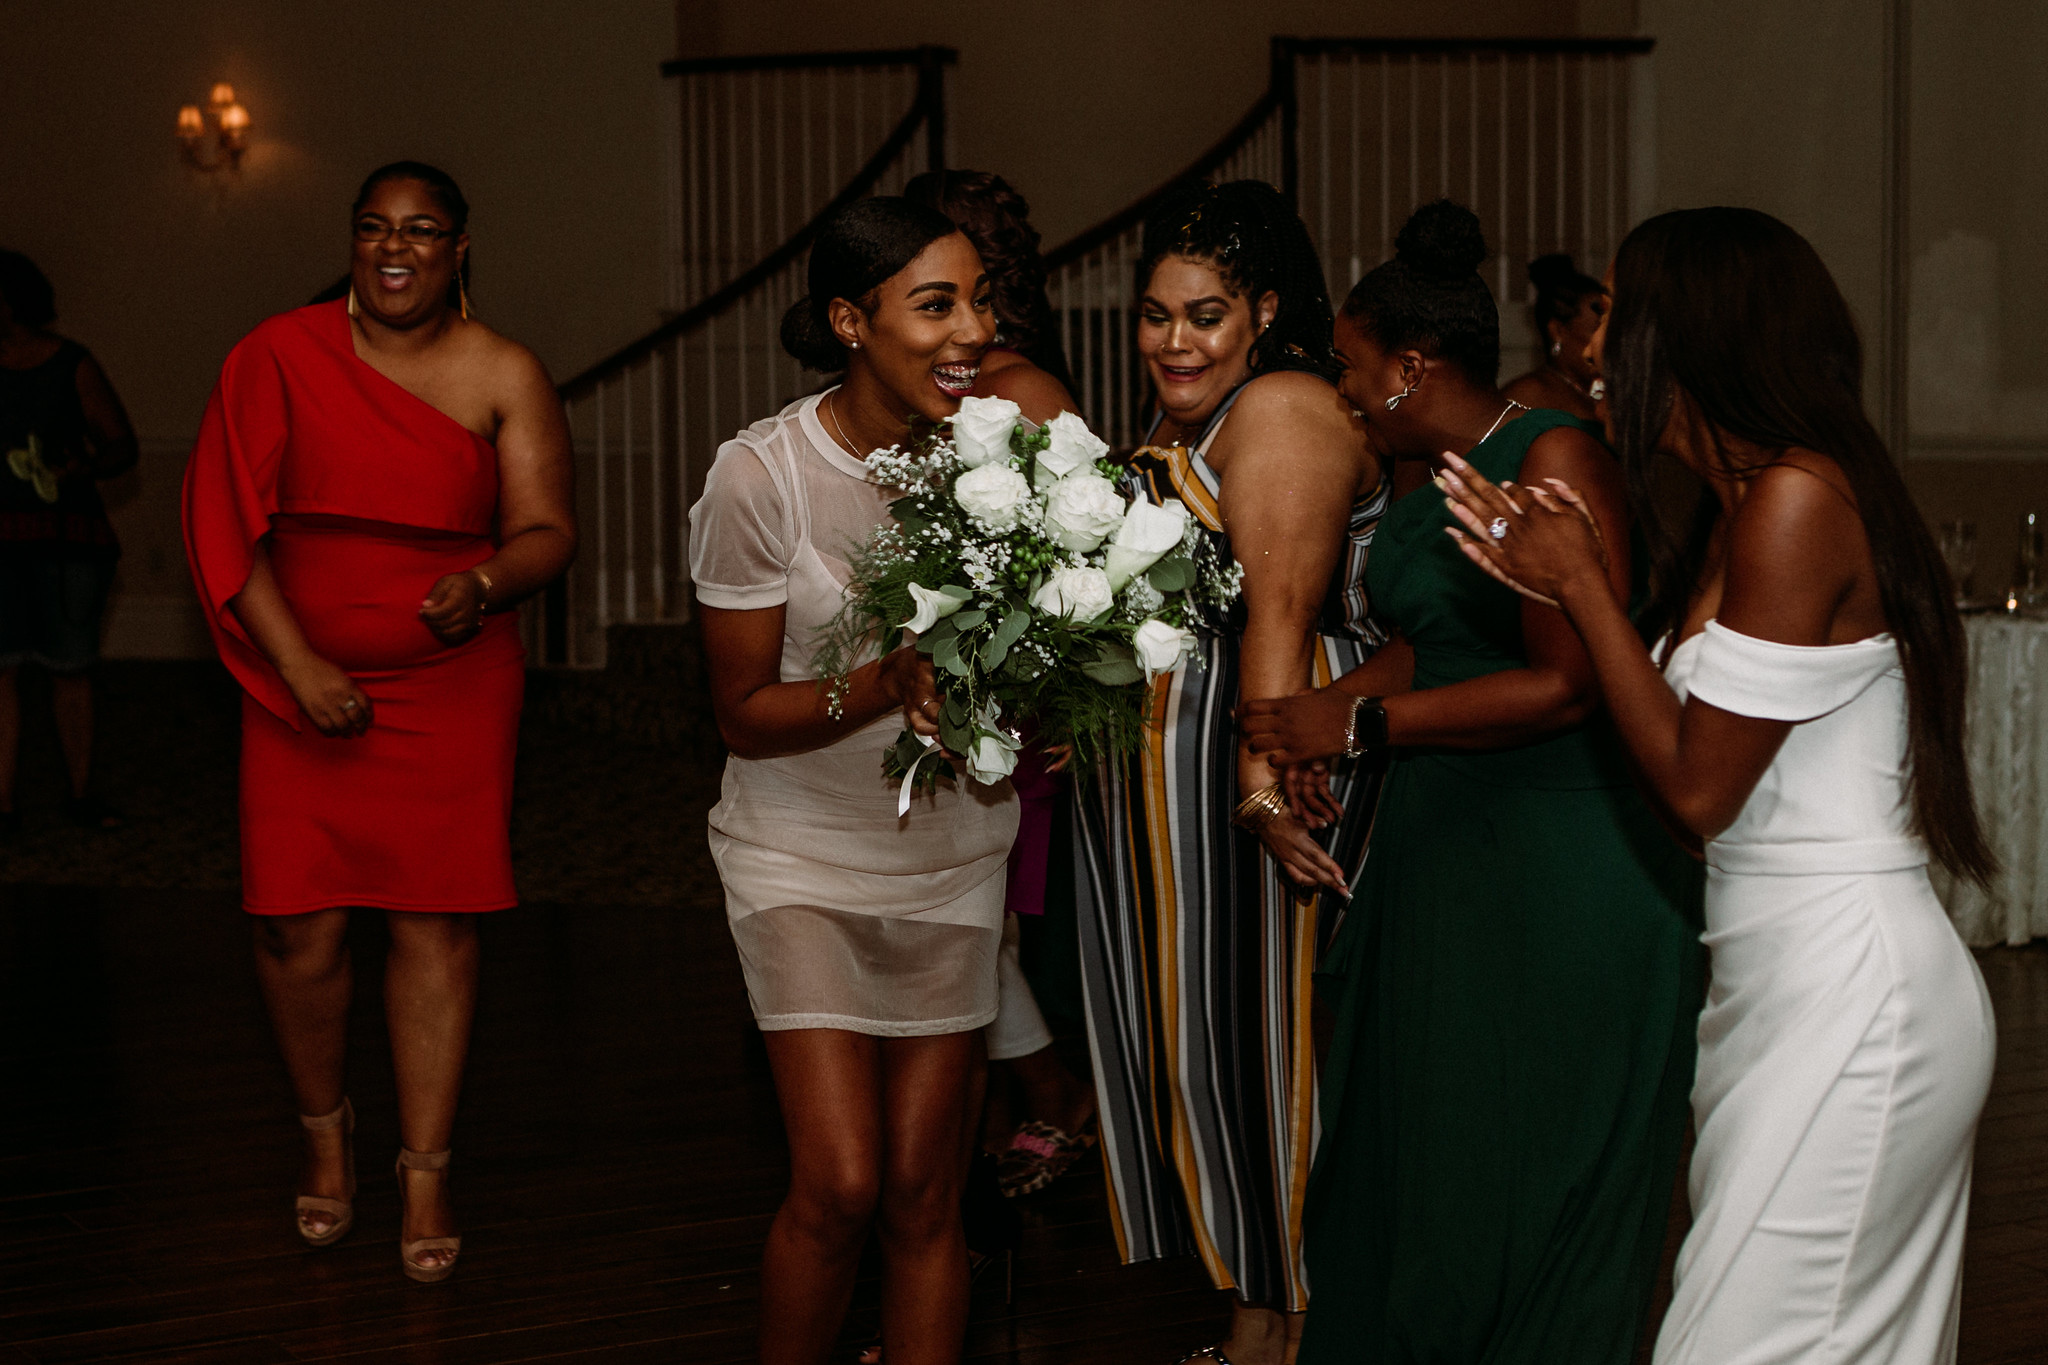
191, 123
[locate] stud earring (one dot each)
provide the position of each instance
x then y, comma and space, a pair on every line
1395, 401
351, 300
1555, 347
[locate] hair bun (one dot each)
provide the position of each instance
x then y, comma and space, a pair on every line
1555, 271
808, 338
1443, 240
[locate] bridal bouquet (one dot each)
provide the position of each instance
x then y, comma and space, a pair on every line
1040, 592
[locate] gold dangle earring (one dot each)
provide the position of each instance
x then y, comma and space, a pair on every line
462, 294
351, 300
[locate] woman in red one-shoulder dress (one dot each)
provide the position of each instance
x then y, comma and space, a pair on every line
375, 484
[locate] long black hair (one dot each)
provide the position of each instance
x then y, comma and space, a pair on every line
441, 187
1560, 288
998, 221
1255, 240
1736, 310
862, 245
1430, 298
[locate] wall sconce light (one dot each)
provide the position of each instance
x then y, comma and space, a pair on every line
230, 128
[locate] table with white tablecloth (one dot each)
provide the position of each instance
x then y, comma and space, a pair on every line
2008, 747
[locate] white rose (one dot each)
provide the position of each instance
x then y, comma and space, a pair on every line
992, 758
1082, 594
981, 430
1081, 511
1161, 648
1073, 449
994, 495
932, 607
1147, 533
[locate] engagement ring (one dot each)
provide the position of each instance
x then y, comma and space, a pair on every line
1498, 528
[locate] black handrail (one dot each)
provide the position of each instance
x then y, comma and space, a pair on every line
1280, 97
811, 61
921, 114
1469, 47
1225, 147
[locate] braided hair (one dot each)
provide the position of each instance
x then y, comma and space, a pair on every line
998, 221
1248, 231
1430, 297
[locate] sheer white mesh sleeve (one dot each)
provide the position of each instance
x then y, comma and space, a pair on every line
743, 536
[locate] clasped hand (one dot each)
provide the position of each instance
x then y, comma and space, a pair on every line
1542, 550
454, 609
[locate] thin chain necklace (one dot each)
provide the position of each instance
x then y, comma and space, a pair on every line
1512, 405
1570, 383
838, 432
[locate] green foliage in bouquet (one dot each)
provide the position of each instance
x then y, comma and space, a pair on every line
1042, 594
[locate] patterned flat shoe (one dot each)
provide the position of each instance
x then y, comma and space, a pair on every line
1041, 1154
1213, 1353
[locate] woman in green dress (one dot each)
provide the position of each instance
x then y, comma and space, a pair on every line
1519, 977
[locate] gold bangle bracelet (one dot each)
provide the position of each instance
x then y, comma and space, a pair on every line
1260, 809
489, 588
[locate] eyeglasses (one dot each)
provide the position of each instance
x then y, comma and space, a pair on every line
417, 234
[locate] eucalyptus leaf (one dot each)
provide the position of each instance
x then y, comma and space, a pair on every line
955, 591
1114, 667
945, 629
1173, 575
993, 653
954, 709
1012, 629
968, 620
955, 665
957, 737
946, 654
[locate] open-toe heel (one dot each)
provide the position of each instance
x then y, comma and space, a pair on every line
342, 1211
408, 1252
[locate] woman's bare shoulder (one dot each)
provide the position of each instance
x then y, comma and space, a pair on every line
1005, 374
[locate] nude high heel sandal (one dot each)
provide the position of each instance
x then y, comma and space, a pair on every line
342, 1211
408, 1251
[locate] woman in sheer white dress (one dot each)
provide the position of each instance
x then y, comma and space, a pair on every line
1807, 726
868, 941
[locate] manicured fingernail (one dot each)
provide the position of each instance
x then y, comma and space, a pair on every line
1438, 480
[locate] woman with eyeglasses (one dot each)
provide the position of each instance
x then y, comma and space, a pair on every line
376, 483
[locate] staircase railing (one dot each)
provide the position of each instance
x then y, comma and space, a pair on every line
1531, 133
648, 419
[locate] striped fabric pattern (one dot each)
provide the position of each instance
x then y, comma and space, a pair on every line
1196, 955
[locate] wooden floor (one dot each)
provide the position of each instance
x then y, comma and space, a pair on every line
617, 1161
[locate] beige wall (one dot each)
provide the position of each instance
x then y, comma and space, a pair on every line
1084, 105
553, 121
549, 118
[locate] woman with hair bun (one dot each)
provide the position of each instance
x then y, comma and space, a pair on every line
1517, 981
1202, 898
1569, 307
868, 942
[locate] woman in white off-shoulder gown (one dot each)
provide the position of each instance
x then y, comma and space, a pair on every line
1807, 727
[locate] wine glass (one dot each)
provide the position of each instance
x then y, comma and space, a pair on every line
1959, 550
2029, 588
